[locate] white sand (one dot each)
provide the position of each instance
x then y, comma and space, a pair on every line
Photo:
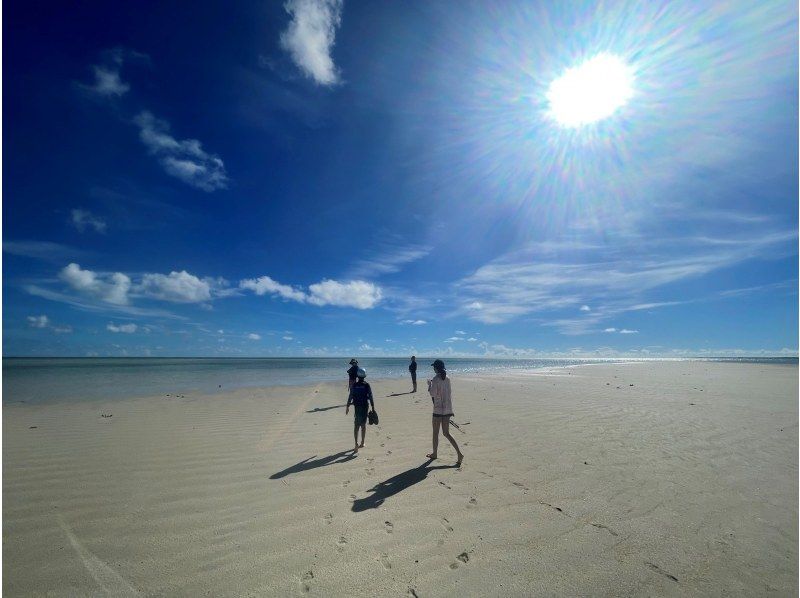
685, 483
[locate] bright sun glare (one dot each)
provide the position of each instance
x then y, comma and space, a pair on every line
591, 91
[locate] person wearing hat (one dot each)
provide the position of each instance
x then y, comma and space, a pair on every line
439, 387
360, 397
351, 373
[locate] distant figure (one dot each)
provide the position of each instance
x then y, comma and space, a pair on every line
351, 373
412, 367
360, 396
439, 388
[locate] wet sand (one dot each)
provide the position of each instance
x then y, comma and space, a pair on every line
668, 478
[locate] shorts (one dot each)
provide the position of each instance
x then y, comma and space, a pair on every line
442, 415
360, 414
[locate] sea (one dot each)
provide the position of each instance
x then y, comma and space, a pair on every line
41, 380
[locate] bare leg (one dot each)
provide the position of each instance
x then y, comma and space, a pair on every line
436, 424
446, 433
355, 435
414, 382
363, 433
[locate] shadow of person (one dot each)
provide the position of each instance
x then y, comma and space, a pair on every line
400, 394
383, 490
318, 409
312, 463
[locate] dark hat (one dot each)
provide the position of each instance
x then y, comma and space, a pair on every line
438, 365
353, 361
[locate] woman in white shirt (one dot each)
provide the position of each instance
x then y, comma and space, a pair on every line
439, 388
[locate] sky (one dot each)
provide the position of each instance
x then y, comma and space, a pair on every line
327, 177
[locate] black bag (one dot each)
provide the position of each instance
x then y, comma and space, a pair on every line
372, 417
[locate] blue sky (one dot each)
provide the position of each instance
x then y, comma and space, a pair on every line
322, 177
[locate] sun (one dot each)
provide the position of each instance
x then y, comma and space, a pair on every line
591, 91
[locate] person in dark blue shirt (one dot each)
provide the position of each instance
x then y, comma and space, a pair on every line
360, 397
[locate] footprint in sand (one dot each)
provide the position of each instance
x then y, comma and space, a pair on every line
341, 542
446, 524
305, 584
520, 485
473, 500
352, 497
345, 483
463, 557
370, 459
370, 470
382, 445
390, 452
385, 561
446, 486
328, 518
389, 526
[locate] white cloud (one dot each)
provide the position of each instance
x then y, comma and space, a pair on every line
288, 338
626, 331
107, 82
585, 308
254, 337
124, 328
461, 333
266, 286
184, 159
84, 219
178, 287
472, 339
610, 330
414, 322
38, 321
453, 339
357, 293
111, 288
310, 36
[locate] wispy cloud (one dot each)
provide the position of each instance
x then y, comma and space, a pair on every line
43, 250
107, 81
184, 159
414, 322
254, 337
310, 36
389, 259
615, 280
123, 328
84, 220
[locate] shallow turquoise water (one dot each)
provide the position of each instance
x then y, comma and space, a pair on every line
36, 380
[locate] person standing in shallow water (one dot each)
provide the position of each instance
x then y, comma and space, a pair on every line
439, 388
360, 397
412, 367
351, 373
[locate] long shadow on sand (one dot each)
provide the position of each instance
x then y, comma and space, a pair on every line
400, 394
383, 490
318, 409
312, 463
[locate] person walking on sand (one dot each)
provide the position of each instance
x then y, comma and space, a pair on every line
412, 367
351, 373
360, 396
439, 387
